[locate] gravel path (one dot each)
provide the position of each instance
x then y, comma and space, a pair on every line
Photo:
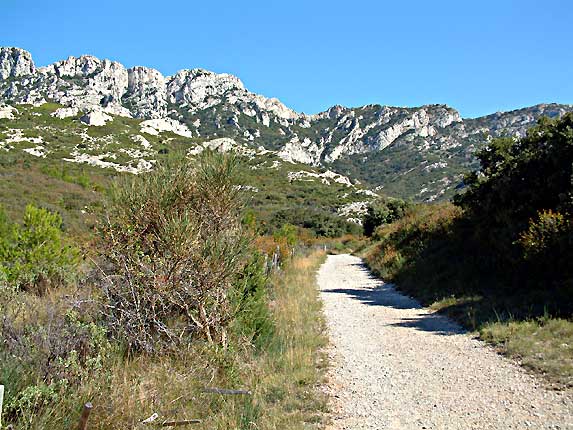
396, 365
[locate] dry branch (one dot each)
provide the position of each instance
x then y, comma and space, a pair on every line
226, 391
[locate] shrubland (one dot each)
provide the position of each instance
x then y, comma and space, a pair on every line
175, 295
499, 259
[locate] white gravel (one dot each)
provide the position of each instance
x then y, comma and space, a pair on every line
397, 365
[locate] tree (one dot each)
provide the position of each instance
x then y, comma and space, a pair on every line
383, 211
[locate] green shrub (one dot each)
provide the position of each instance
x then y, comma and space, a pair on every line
520, 205
544, 232
51, 345
34, 255
249, 298
383, 211
288, 233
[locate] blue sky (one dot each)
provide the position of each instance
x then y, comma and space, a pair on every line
477, 56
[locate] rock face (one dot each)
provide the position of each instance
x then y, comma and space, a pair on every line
85, 82
146, 93
15, 62
423, 149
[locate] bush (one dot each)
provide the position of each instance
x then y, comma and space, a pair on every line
34, 255
317, 220
520, 204
383, 211
249, 298
50, 345
175, 243
544, 233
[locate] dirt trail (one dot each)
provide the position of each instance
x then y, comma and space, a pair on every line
396, 365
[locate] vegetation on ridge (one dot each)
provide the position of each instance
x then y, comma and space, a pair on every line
176, 299
500, 260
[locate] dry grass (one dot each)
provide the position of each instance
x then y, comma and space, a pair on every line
544, 346
284, 375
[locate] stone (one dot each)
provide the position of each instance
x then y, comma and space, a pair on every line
8, 112
96, 118
160, 125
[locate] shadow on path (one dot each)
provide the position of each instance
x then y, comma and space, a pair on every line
384, 295
379, 293
434, 323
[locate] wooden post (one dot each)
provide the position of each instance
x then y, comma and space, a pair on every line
1, 400
83, 424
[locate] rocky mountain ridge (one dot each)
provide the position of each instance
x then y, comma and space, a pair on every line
420, 153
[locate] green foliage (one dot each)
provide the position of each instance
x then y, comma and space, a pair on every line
287, 233
322, 223
64, 174
249, 297
50, 346
383, 211
548, 232
175, 242
520, 203
33, 398
34, 255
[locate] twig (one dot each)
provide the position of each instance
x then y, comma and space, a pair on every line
1, 400
179, 423
225, 391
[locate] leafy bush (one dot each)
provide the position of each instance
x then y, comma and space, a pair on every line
249, 299
383, 211
175, 243
288, 233
544, 233
520, 204
322, 223
34, 255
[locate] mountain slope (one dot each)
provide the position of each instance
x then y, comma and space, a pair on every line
419, 153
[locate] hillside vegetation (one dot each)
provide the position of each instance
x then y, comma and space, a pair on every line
418, 153
499, 260
72, 167
176, 296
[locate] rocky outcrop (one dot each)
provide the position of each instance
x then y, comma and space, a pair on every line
66, 112
86, 82
156, 126
200, 89
96, 118
15, 62
382, 144
146, 94
515, 122
8, 112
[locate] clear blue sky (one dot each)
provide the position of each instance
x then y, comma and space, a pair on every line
477, 56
